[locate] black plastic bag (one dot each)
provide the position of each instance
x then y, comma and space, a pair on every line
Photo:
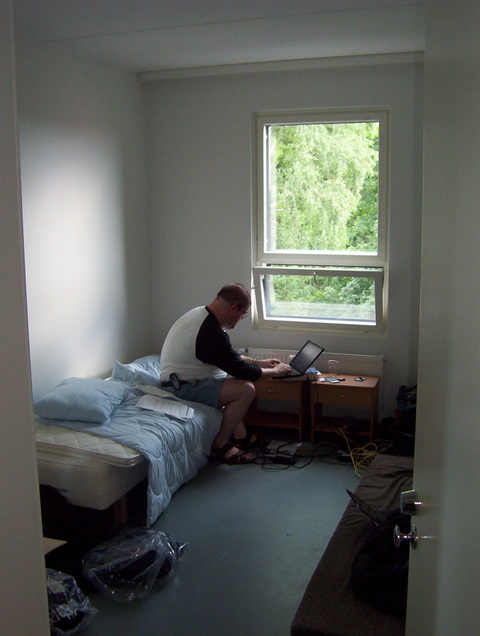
69, 609
132, 564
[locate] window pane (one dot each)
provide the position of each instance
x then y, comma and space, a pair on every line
322, 190
326, 298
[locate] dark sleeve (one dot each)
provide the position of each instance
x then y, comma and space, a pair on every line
213, 346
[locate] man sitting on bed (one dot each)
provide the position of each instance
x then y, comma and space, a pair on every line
199, 364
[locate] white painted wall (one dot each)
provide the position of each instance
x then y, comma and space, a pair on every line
200, 168
444, 586
23, 598
85, 210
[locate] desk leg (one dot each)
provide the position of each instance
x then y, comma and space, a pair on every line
373, 411
314, 406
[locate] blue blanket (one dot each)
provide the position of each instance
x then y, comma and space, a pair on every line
175, 449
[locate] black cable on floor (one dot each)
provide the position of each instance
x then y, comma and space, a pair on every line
275, 459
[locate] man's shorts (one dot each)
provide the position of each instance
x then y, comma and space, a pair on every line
203, 391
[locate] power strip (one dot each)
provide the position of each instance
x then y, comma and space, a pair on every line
283, 459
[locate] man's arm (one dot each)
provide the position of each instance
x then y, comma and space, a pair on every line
271, 367
213, 346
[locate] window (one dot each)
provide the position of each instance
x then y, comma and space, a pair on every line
321, 232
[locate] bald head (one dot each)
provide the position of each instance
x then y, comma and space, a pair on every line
230, 305
235, 294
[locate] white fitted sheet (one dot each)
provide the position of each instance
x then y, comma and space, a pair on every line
71, 443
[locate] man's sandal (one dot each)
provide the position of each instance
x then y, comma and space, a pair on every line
218, 455
251, 441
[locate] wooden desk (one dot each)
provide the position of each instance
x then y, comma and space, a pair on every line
346, 393
278, 392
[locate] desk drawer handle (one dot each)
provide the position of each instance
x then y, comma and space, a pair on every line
340, 395
272, 391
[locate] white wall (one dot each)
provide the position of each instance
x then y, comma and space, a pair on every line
444, 586
85, 212
23, 599
200, 162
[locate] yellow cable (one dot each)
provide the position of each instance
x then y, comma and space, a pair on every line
361, 456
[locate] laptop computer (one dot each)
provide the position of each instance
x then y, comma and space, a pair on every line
377, 516
303, 360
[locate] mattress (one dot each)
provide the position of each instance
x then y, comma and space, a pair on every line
88, 470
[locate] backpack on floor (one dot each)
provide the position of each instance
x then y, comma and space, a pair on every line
379, 573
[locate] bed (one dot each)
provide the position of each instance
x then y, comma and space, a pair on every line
329, 606
94, 443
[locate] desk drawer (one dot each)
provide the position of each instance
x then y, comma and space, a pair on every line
278, 390
350, 396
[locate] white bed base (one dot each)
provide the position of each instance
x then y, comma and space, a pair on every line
90, 471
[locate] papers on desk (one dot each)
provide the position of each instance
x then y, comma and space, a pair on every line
163, 402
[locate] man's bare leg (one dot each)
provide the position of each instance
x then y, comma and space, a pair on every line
240, 432
235, 398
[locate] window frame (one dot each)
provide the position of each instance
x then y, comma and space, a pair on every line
285, 322
266, 261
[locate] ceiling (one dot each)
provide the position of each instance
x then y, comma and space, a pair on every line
159, 35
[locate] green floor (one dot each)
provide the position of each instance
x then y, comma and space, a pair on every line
254, 538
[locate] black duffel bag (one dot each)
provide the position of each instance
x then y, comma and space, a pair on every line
379, 573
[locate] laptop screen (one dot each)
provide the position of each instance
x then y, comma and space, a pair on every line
306, 356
